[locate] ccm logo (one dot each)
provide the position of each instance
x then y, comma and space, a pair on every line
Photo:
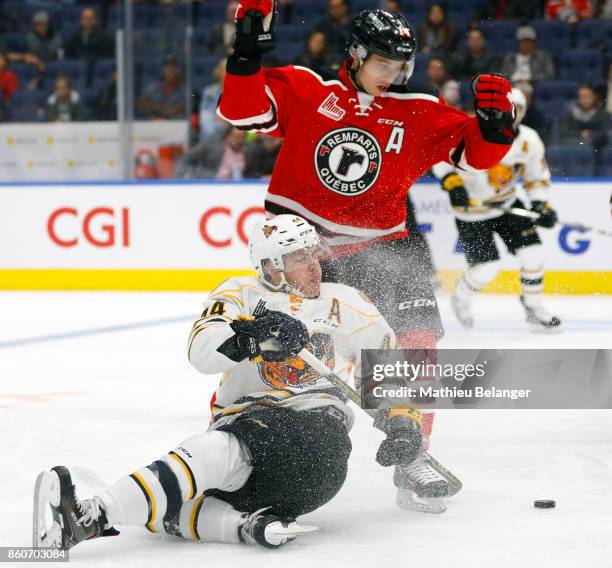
110, 226
422, 303
215, 229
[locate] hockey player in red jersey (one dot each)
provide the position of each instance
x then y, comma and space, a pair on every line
353, 146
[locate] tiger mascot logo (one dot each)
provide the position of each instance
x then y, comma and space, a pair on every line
500, 176
294, 372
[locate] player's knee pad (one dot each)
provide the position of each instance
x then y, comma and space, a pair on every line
480, 275
531, 258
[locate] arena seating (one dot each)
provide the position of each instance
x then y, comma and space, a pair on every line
582, 53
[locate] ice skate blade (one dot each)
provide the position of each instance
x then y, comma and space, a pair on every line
538, 330
46, 492
407, 500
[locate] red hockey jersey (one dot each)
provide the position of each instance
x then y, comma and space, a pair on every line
348, 159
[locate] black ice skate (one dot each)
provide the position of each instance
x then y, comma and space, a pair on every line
539, 320
73, 520
463, 311
270, 531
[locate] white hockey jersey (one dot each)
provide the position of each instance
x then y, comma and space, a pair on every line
341, 322
498, 185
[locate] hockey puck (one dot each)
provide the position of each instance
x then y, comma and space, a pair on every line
545, 504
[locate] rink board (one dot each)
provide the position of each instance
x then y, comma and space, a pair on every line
190, 236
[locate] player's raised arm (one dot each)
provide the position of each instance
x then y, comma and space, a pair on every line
250, 101
488, 137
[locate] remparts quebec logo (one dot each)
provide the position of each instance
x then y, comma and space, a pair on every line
348, 161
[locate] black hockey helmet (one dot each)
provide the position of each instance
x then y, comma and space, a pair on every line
385, 33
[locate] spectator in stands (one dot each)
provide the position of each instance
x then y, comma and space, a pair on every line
42, 40
233, 159
28, 59
437, 75
65, 104
534, 117
210, 123
585, 121
451, 93
261, 157
315, 55
106, 101
89, 42
164, 99
521, 10
219, 40
437, 35
220, 156
571, 11
528, 63
605, 10
395, 6
474, 58
8, 86
335, 27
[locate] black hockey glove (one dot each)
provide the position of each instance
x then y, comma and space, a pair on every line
548, 216
456, 190
404, 442
288, 335
255, 23
494, 109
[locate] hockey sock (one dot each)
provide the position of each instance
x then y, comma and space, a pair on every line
209, 519
532, 274
422, 340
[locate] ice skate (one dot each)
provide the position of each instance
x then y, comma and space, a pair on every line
463, 311
407, 499
539, 320
421, 478
271, 531
74, 520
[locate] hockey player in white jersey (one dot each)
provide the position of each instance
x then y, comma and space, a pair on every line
479, 199
277, 446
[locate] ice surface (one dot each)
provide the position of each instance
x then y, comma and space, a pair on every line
119, 393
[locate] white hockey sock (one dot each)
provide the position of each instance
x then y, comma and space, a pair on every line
475, 279
209, 519
153, 496
532, 275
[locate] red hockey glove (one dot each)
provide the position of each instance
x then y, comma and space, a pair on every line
255, 23
494, 107
264, 7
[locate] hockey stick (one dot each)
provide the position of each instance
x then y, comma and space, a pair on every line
454, 483
519, 212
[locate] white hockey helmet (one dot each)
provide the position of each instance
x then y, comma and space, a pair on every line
520, 104
274, 238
